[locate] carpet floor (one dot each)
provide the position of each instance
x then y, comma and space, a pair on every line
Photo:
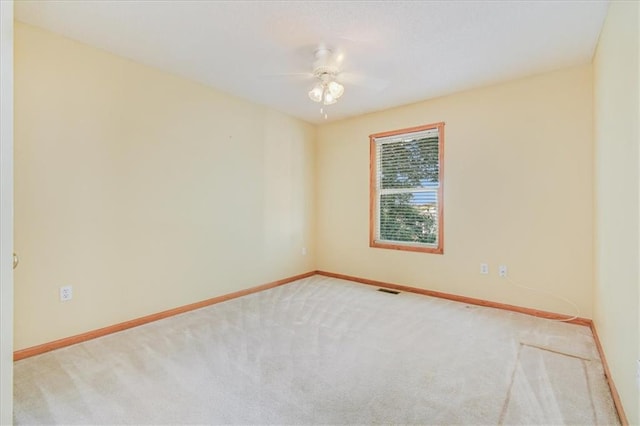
324, 351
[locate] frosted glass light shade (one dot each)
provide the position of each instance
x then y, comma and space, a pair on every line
316, 93
328, 98
336, 89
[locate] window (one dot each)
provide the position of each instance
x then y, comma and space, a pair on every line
406, 189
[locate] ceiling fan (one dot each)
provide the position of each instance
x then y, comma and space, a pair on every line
330, 78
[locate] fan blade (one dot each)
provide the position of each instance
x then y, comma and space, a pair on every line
293, 75
362, 80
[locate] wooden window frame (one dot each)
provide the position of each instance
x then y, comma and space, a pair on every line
373, 213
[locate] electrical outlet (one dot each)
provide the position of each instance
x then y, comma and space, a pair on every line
502, 271
484, 268
304, 251
66, 293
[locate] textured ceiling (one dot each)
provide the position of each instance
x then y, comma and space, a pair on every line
403, 51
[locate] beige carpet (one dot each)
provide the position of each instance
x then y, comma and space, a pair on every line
324, 351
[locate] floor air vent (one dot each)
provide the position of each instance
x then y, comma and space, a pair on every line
386, 290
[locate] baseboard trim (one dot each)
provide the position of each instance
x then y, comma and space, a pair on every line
607, 373
72, 340
463, 299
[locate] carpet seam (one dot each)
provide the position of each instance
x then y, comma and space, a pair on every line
513, 376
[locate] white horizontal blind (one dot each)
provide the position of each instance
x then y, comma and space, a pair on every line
407, 184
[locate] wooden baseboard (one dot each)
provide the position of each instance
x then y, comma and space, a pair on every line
463, 299
607, 373
68, 341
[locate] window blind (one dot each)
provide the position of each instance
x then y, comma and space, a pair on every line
407, 183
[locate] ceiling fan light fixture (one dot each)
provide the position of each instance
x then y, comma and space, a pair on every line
326, 89
326, 92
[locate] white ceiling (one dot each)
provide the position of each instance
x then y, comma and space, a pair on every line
417, 50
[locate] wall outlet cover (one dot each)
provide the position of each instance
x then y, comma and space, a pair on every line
66, 293
502, 271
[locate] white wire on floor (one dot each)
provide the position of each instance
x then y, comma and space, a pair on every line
564, 299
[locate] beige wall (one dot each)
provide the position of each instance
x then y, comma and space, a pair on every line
518, 191
145, 191
617, 212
